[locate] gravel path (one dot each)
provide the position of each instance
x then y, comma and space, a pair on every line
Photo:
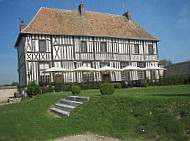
86, 137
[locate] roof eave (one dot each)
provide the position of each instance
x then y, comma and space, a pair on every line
90, 36
18, 39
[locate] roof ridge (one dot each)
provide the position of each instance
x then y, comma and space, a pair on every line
77, 10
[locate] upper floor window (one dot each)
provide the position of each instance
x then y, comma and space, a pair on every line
83, 46
103, 47
42, 45
150, 49
136, 49
103, 64
124, 64
140, 64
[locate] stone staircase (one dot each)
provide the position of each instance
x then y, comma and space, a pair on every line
66, 106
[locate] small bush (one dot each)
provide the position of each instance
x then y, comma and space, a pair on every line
58, 87
44, 90
76, 90
50, 89
47, 89
107, 89
145, 84
63, 87
33, 89
117, 85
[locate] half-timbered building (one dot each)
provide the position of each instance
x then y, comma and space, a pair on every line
72, 38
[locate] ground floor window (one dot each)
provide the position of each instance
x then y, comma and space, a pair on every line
44, 78
141, 74
124, 74
87, 77
152, 75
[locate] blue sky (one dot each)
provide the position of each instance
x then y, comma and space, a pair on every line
168, 20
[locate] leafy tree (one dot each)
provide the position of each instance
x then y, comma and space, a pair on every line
165, 62
14, 84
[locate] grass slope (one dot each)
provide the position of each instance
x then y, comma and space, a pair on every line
161, 113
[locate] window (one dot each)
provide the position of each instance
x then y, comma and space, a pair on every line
103, 47
42, 45
124, 74
140, 64
124, 64
87, 77
150, 49
83, 46
44, 77
102, 64
141, 74
152, 75
136, 49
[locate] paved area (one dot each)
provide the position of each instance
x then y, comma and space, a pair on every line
86, 137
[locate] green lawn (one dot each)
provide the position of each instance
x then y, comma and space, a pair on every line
161, 113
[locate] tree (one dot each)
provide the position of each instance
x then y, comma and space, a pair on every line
14, 84
165, 62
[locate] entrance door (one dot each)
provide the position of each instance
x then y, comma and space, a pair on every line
106, 77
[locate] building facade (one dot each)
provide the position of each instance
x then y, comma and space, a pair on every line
72, 38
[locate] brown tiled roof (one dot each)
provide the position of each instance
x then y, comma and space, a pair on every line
70, 22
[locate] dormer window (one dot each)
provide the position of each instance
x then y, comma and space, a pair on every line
83, 46
42, 45
103, 47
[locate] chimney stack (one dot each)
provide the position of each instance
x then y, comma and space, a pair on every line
81, 9
21, 25
127, 15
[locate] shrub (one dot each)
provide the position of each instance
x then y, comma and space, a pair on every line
33, 89
58, 87
117, 85
94, 85
145, 84
107, 89
76, 90
50, 89
47, 89
63, 86
44, 90
69, 87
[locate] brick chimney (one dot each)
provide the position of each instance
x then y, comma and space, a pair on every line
81, 9
127, 15
21, 25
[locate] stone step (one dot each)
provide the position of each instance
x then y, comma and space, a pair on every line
65, 107
72, 103
59, 112
77, 98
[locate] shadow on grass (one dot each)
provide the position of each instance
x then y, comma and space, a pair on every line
172, 95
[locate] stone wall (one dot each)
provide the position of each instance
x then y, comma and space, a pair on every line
6, 92
182, 68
